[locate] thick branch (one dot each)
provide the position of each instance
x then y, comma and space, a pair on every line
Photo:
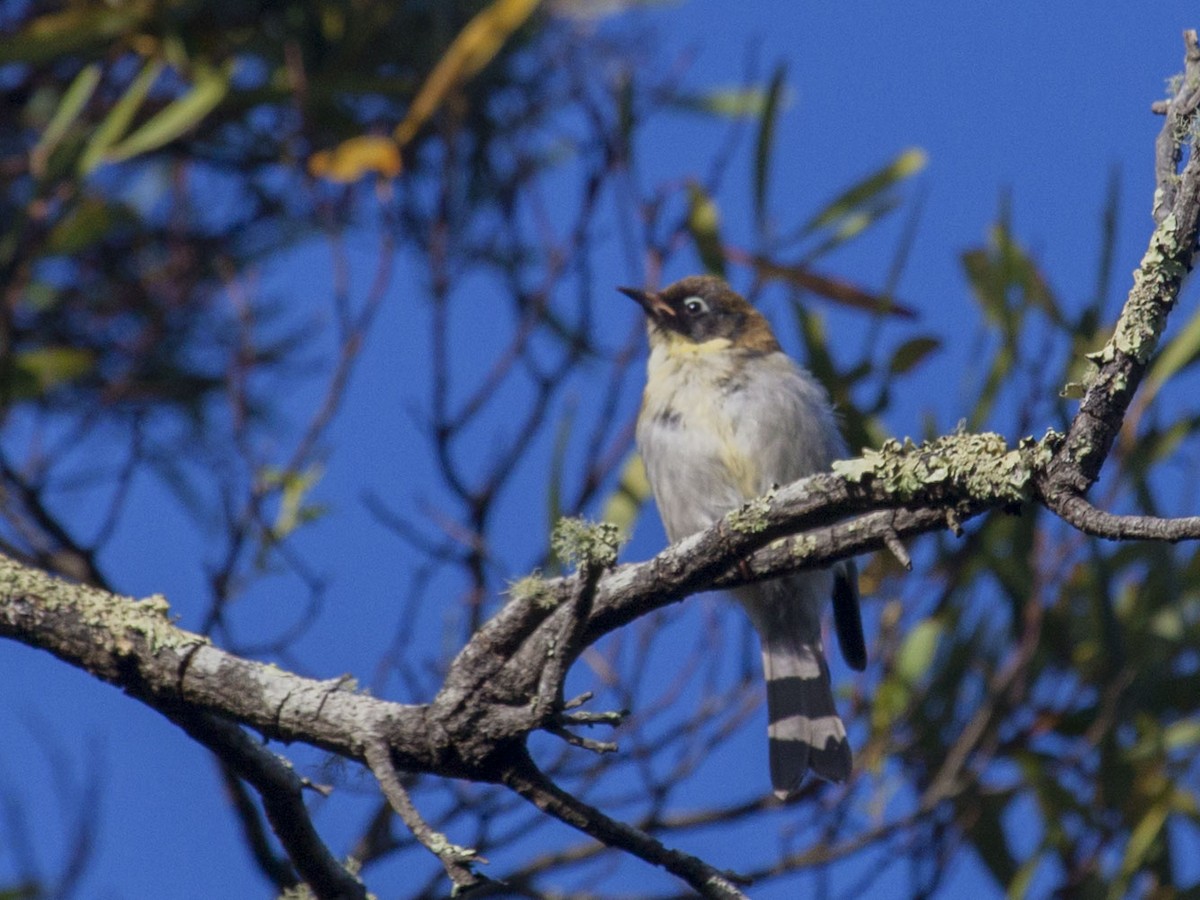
133, 644
1157, 282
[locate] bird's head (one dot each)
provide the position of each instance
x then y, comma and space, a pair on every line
703, 310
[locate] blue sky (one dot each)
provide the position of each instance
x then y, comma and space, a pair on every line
1042, 100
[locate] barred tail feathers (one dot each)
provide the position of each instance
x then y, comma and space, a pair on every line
803, 727
804, 730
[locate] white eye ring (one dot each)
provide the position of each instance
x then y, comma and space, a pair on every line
695, 306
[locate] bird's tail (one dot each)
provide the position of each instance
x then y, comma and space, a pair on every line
804, 730
803, 727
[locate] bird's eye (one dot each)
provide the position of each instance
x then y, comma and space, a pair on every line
695, 306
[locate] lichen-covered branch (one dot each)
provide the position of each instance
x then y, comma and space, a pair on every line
1123, 360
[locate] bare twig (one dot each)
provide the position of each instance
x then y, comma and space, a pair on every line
1099, 523
455, 859
281, 791
523, 777
891, 540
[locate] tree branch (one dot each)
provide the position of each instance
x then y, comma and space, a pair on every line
455, 860
1081, 514
281, 790
1123, 360
524, 777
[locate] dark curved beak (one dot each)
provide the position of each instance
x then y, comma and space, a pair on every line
653, 304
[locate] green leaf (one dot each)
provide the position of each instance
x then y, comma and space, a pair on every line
860, 197
178, 117
1108, 246
1182, 734
734, 103
85, 225
1002, 364
766, 138
839, 290
1143, 837
626, 116
988, 837
1022, 272
889, 703
58, 34
911, 353
40, 296
120, 117
294, 490
703, 223
916, 653
1007, 282
1179, 353
39, 371
811, 329
1019, 886
74, 99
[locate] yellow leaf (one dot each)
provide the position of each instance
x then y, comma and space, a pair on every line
474, 47
353, 158
630, 495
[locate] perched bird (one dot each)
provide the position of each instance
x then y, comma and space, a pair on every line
726, 416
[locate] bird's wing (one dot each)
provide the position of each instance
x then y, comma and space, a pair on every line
782, 419
785, 424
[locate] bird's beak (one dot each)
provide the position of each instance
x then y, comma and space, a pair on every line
654, 305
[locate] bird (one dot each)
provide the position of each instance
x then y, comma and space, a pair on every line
727, 416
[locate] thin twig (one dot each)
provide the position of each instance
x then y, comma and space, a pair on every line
524, 777
455, 860
280, 789
1087, 518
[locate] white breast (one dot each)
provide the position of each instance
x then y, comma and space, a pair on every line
720, 427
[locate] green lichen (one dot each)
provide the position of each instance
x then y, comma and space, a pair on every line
438, 843
1155, 285
803, 546
533, 588
586, 543
123, 619
751, 516
979, 465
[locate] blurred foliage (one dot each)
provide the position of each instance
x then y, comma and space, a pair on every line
233, 97
1034, 694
